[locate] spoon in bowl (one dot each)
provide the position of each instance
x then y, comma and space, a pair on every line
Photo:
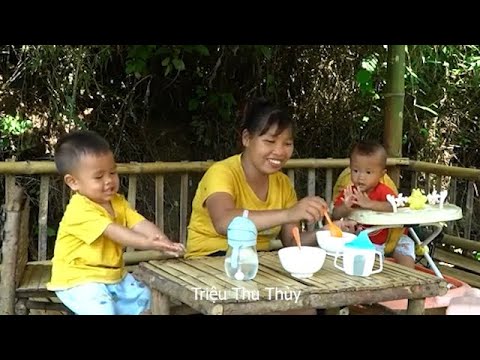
334, 229
296, 236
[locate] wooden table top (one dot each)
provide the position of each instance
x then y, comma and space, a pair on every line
203, 285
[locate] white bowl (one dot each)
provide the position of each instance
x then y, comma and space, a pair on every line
302, 263
331, 243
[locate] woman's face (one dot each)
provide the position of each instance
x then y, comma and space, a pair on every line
268, 152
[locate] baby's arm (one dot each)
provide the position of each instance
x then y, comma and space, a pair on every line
131, 238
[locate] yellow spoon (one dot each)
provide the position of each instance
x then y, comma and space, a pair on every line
334, 229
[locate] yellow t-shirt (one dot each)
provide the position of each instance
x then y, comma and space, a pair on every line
82, 253
228, 176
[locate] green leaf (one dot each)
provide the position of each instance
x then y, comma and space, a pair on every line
202, 50
179, 64
166, 61
363, 76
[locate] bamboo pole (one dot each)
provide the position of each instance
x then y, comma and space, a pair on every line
43, 217
469, 210
159, 199
445, 170
462, 243
311, 191
394, 99
10, 249
130, 258
48, 167
183, 211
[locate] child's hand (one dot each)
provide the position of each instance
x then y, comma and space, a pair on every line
362, 199
348, 197
162, 243
347, 225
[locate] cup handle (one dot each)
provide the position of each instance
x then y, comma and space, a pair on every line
380, 256
337, 255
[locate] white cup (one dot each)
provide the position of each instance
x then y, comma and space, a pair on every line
359, 262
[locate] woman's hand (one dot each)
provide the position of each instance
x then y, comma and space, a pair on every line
310, 209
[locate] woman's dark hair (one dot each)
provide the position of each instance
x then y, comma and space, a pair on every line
260, 114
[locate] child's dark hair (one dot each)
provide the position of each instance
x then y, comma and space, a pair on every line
370, 148
71, 147
260, 114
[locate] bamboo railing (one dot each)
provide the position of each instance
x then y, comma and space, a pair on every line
428, 173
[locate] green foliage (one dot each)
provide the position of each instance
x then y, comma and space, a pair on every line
365, 76
12, 126
182, 102
140, 56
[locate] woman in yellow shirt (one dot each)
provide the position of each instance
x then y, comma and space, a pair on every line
253, 181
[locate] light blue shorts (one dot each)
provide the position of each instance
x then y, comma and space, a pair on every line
127, 297
405, 246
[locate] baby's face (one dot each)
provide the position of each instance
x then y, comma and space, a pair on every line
366, 171
96, 177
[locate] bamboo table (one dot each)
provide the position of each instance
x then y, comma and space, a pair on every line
203, 285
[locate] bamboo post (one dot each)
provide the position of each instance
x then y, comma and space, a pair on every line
428, 184
329, 188
132, 197
291, 175
311, 190
16, 200
42, 217
452, 198
438, 183
159, 200
394, 101
469, 210
183, 208
414, 180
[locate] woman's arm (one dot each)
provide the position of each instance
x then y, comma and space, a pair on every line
222, 210
308, 238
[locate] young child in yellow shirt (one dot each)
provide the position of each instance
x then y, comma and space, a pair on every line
88, 273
